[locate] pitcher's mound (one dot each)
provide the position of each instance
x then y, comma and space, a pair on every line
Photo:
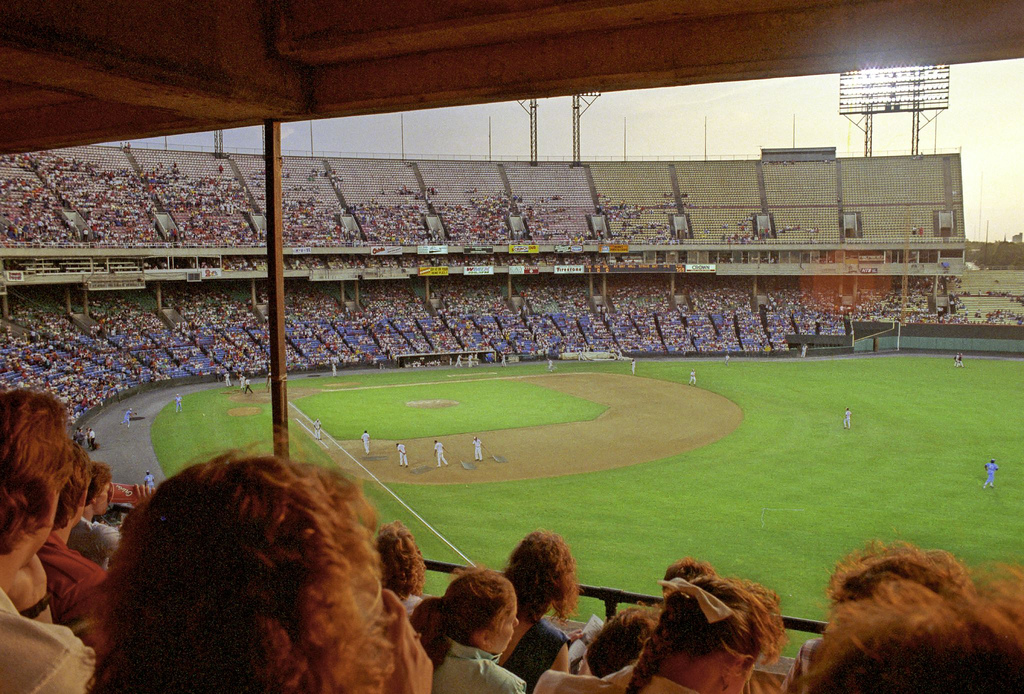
432, 404
243, 411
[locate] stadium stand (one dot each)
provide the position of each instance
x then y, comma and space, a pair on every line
637, 198
554, 199
30, 212
471, 199
386, 197
720, 198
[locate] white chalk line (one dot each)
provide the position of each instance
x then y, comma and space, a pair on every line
776, 509
384, 486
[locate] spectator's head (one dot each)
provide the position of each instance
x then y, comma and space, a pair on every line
403, 570
35, 464
861, 573
905, 639
543, 571
688, 568
713, 628
255, 574
72, 499
98, 496
621, 640
478, 610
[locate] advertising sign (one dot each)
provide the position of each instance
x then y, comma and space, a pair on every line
433, 272
613, 248
868, 270
385, 250
14, 275
432, 250
522, 270
208, 272
478, 270
700, 268
302, 250
523, 248
568, 269
478, 250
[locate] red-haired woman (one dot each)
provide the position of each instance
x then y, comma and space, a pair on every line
464, 631
543, 571
403, 570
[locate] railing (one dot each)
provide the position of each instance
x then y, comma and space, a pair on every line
613, 597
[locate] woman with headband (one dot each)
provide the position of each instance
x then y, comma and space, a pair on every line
466, 630
711, 632
253, 575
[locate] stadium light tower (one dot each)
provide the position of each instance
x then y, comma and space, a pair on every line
218, 143
531, 110
914, 90
580, 104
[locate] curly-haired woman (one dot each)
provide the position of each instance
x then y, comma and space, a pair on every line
403, 570
543, 572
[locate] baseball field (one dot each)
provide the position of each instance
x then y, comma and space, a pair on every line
751, 469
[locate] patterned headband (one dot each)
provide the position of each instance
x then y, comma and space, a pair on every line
714, 609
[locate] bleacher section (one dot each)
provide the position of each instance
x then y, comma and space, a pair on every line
31, 210
209, 201
554, 199
895, 195
802, 198
385, 196
101, 185
720, 197
471, 199
202, 195
637, 199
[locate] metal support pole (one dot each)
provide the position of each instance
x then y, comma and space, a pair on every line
159, 298
6, 307
358, 305
604, 286
868, 134
426, 290
252, 289
509, 297
590, 278
275, 277
85, 301
67, 298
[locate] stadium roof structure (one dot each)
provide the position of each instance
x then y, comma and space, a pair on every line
100, 70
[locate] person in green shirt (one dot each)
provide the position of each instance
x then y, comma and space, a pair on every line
466, 630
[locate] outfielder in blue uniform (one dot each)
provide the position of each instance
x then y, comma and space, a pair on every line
991, 467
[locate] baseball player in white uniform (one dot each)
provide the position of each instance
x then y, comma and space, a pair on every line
316, 428
439, 448
632, 366
693, 377
334, 369
403, 460
366, 441
477, 445
846, 419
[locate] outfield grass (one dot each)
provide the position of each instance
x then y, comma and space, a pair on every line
911, 468
482, 406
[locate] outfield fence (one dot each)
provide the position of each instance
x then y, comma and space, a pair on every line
613, 597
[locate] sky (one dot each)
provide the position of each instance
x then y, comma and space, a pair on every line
983, 122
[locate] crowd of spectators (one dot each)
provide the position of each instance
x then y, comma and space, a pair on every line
483, 219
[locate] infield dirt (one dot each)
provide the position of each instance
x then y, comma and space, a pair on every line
646, 419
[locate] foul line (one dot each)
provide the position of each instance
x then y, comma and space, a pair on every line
384, 486
776, 509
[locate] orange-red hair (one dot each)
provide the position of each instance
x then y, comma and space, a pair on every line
101, 477
543, 571
620, 641
35, 462
906, 639
402, 566
70, 498
474, 601
858, 575
246, 574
